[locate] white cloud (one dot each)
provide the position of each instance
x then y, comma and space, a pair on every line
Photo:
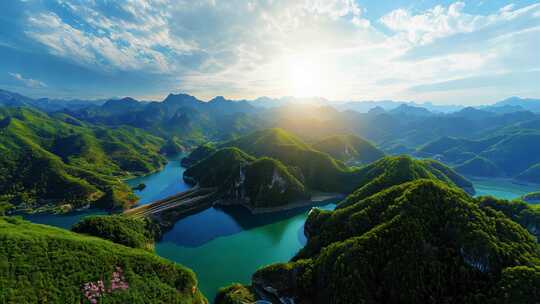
245, 49
28, 82
111, 42
432, 24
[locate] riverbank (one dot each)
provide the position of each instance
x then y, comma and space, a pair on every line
502, 188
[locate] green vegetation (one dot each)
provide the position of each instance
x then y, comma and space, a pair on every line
479, 166
198, 154
255, 183
321, 172
55, 160
128, 231
395, 170
235, 294
524, 214
349, 148
217, 168
173, 146
5, 207
302, 169
42, 264
418, 242
510, 152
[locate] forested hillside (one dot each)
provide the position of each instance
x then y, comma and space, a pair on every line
56, 159
42, 264
418, 242
273, 157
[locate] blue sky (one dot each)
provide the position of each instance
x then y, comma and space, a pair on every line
469, 52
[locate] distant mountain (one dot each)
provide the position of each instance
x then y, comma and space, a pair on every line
349, 148
509, 152
115, 106
366, 106
14, 99
473, 113
267, 102
528, 104
178, 115
45, 104
409, 110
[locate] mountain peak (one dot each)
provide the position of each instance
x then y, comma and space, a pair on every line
180, 98
219, 99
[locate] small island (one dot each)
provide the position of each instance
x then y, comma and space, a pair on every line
140, 187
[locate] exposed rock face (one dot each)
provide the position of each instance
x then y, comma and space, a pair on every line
259, 184
258, 188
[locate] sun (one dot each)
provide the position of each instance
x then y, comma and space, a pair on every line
305, 76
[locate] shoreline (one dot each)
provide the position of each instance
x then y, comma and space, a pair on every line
314, 201
502, 179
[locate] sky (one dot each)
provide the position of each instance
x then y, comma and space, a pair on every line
446, 52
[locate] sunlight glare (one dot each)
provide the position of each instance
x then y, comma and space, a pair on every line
305, 76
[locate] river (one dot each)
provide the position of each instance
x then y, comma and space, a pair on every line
226, 245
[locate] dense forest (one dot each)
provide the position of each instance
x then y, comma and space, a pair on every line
57, 160
45, 264
408, 231
418, 242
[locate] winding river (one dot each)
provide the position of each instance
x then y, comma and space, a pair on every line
226, 245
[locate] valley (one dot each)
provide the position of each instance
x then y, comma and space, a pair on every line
269, 152
223, 245
262, 214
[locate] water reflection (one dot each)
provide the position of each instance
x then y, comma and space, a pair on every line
65, 221
203, 227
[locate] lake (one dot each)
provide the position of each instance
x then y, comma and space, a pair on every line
502, 188
226, 245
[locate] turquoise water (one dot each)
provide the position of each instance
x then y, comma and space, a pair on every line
226, 245
161, 184
65, 221
502, 188
158, 185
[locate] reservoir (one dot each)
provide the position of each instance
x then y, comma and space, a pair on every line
227, 245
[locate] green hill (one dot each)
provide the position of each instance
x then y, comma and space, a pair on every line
254, 183
42, 264
235, 294
394, 170
512, 152
128, 231
55, 159
349, 148
319, 170
418, 242
522, 213
479, 166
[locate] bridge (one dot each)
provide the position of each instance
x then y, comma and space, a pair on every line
188, 201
